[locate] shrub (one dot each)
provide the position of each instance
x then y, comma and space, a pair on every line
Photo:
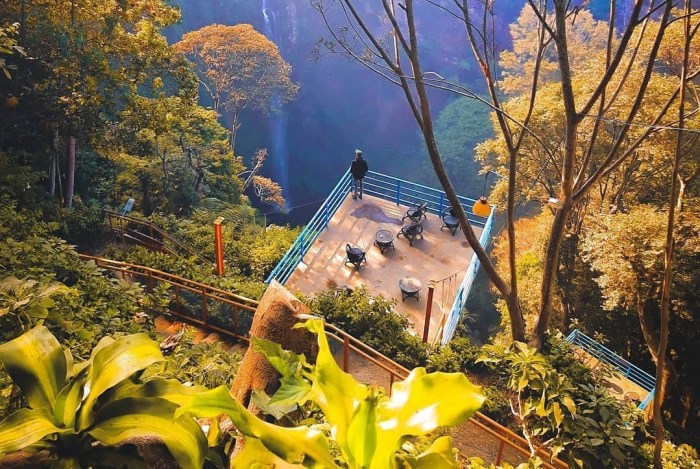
372, 320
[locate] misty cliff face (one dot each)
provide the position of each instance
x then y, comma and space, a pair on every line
341, 105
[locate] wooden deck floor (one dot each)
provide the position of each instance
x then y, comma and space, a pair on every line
437, 256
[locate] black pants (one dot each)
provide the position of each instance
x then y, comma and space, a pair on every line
356, 187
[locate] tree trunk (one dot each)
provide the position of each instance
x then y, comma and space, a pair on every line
234, 130
549, 274
70, 179
53, 164
273, 320
565, 280
424, 118
661, 372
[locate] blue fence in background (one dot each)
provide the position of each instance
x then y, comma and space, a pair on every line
466, 285
607, 356
408, 193
385, 187
311, 231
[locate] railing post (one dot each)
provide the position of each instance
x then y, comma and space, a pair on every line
235, 319
428, 310
326, 216
499, 455
150, 282
346, 353
219, 246
205, 313
301, 246
398, 192
442, 203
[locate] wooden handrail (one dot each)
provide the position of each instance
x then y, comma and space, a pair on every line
396, 371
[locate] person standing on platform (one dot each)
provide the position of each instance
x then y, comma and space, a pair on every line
358, 169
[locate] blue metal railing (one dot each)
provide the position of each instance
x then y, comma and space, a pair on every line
466, 285
379, 185
311, 231
627, 369
408, 193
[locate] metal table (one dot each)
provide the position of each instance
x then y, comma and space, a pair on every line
383, 239
410, 288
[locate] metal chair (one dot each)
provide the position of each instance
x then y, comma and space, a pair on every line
449, 220
411, 232
416, 213
354, 256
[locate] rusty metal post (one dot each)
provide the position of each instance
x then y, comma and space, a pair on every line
499, 455
428, 310
219, 246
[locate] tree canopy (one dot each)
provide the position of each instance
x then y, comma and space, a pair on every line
239, 68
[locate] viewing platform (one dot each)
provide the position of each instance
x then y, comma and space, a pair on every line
319, 260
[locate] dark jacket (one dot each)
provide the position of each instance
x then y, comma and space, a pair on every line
358, 168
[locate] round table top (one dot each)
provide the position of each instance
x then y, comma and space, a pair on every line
409, 284
384, 236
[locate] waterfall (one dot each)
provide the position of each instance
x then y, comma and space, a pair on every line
278, 152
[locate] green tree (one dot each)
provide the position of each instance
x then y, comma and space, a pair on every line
173, 153
8, 46
458, 129
626, 249
240, 68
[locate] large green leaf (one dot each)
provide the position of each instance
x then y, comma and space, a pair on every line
113, 363
24, 428
439, 454
285, 362
277, 410
254, 455
37, 364
152, 417
420, 404
170, 389
293, 390
68, 401
300, 445
423, 402
362, 433
334, 391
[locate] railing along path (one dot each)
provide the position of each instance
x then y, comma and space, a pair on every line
242, 309
153, 237
624, 367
